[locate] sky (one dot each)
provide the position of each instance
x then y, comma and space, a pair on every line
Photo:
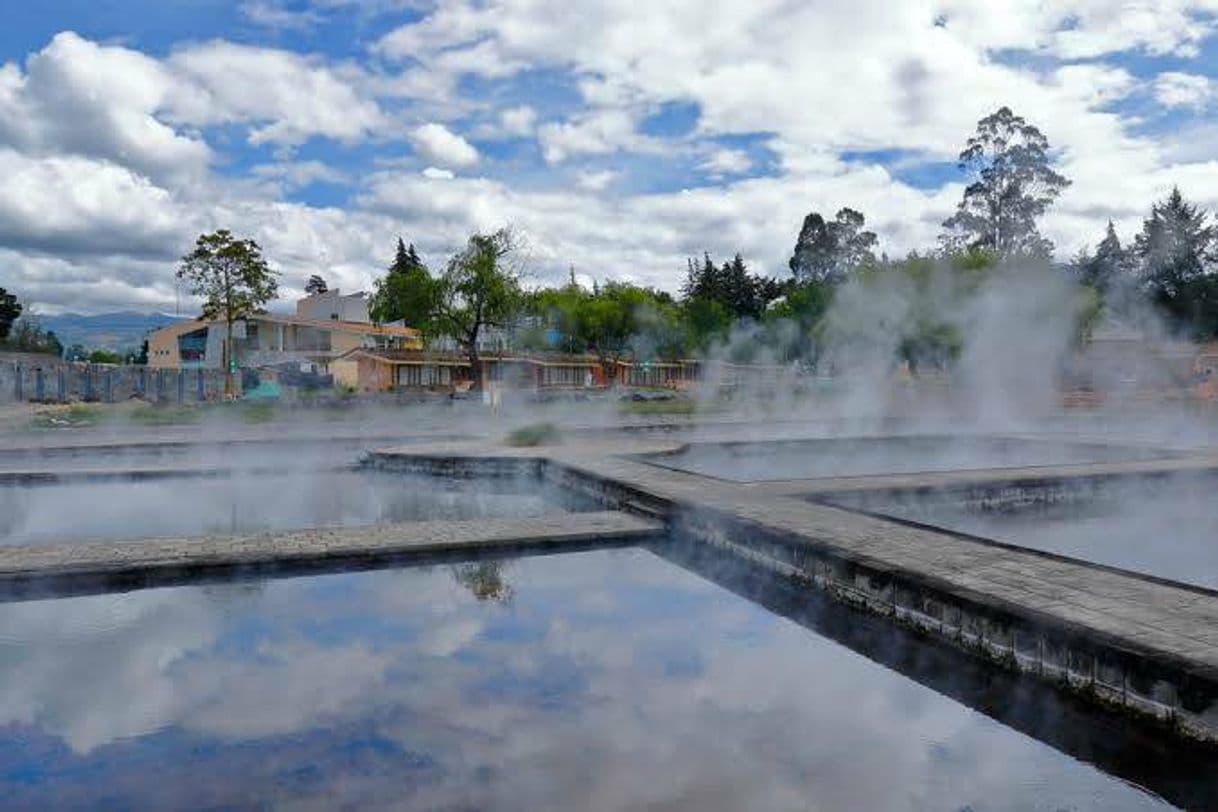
616, 138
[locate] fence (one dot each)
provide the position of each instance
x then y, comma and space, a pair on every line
58, 381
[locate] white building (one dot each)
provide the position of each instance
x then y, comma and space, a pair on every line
333, 306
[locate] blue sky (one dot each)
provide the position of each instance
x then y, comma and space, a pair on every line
619, 140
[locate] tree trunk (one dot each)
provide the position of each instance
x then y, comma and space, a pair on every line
229, 389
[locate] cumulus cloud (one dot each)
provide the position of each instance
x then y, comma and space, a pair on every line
596, 181
518, 120
1175, 89
435, 142
290, 97
727, 162
132, 154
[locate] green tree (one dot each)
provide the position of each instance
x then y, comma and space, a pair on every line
479, 288
1013, 184
827, 251
233, 280
1173, 246
316, 284
10, 311
406, 293
741, 293
104, 356
1108, 267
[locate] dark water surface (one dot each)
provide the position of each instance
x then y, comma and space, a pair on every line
869, 456
601, 680
251, 502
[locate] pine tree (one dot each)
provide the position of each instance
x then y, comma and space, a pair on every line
10, 311
1173, 246
406, 293
1108, 267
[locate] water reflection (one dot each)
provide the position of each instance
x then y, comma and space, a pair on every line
1160, 527
249, 502
610, 680
868, 456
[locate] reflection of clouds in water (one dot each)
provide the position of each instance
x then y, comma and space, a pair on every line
246, 502
96, 669
552, 701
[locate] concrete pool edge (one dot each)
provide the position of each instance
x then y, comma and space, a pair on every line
48, 569
1069, 643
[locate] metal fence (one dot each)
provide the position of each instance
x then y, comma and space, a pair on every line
58, 381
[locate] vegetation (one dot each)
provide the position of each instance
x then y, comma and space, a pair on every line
234, 281
828, 251
10, 311
1013, 184
407, 293
533, 435
316, 285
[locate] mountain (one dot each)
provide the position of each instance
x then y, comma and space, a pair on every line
112, 331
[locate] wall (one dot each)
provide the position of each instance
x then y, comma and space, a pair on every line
65, 382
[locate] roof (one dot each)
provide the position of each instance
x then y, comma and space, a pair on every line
357, 327
360, 327
178, 328
407, 357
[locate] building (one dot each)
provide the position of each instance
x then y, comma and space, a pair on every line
374, 370
266, 340
331, 305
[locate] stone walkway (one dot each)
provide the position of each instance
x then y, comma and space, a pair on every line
98, 560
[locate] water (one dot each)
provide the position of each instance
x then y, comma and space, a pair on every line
602, 680
869, 456
1167, 528
251, 502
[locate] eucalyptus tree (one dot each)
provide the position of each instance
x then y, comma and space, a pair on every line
1013, 183
828, 250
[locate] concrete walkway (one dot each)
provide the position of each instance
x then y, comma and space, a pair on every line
31, 566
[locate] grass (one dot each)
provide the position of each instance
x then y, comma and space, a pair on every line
153, 415
677, 406
73, 416
532, 435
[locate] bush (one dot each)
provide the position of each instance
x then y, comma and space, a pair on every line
532, 435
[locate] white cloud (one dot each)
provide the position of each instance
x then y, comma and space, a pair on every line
727, 162
1174, 89
518, 120
290, 97
435, 142
110, 158
597, 133
596, 181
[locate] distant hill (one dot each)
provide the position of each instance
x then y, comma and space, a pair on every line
112, 331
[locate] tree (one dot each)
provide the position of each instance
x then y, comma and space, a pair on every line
316, 285
406, 293
826, 251
1173, 249
1109, 264
1173, 246
480, 288
1013, 185
10, 311
740, 293
104, 356
233, 280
